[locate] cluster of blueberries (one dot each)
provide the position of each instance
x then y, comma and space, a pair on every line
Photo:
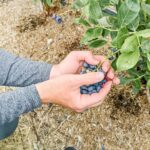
92, 88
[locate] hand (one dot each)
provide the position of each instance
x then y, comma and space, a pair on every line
72, 64
65, 90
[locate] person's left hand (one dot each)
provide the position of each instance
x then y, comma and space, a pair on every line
73, 63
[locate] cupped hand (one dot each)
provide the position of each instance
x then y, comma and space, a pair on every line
73, 63
64, 90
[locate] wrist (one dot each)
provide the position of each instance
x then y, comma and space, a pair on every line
55, 71
44, 92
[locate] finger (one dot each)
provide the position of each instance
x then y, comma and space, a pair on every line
116, 81
89, 78
89, 100
87, 56
79, 69
100, 58
106, 66
110, 74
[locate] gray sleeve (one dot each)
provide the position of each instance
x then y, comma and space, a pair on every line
15, 103
20, 72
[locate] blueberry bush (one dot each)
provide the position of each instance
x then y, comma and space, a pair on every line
123, 25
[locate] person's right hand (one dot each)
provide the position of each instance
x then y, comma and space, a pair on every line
65, 91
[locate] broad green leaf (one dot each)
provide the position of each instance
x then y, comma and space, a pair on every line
128, 11
114, 65
121, 36
97, 43
91, 33
148, 65
114, 2
136, 87
80, 3
144, 33
95, 10
127, 60
133, 5
104, 22
85, 11
148, 56
147, 1
126, 80
146, 8
148, 83
145, 45
134, 24
105, 32
134, 73
82, 22
49, 2
130, 44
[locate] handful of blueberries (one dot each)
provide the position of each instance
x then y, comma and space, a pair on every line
92, 88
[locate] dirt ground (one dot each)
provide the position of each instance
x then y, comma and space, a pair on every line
122, 122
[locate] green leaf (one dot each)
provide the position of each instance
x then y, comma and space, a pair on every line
134, 24
95, 10
91, 33
130, 44
133, 5
82, 22
128, 11
104, 22
144, 33
136, 86
80, 3
126, 80
146, 8
148, 83
148, 65
114, 65
145, 45
49, 2
127, 60
121, 36
97, 43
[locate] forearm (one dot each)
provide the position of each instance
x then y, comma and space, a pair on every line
15, 103
20, 72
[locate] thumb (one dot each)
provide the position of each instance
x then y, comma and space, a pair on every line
89, 78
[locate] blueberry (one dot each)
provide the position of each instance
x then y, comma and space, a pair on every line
83, 88
94, 91
92, 67
104, 81
58, 19
113, 49
102, 147
86, 65
91, 88
70, 148
111, 58
101, 70
83, 72
82, 91
98, 88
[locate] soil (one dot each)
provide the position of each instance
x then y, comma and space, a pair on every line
122, 122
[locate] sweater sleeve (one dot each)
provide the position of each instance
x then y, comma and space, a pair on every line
20, 72
15, 103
